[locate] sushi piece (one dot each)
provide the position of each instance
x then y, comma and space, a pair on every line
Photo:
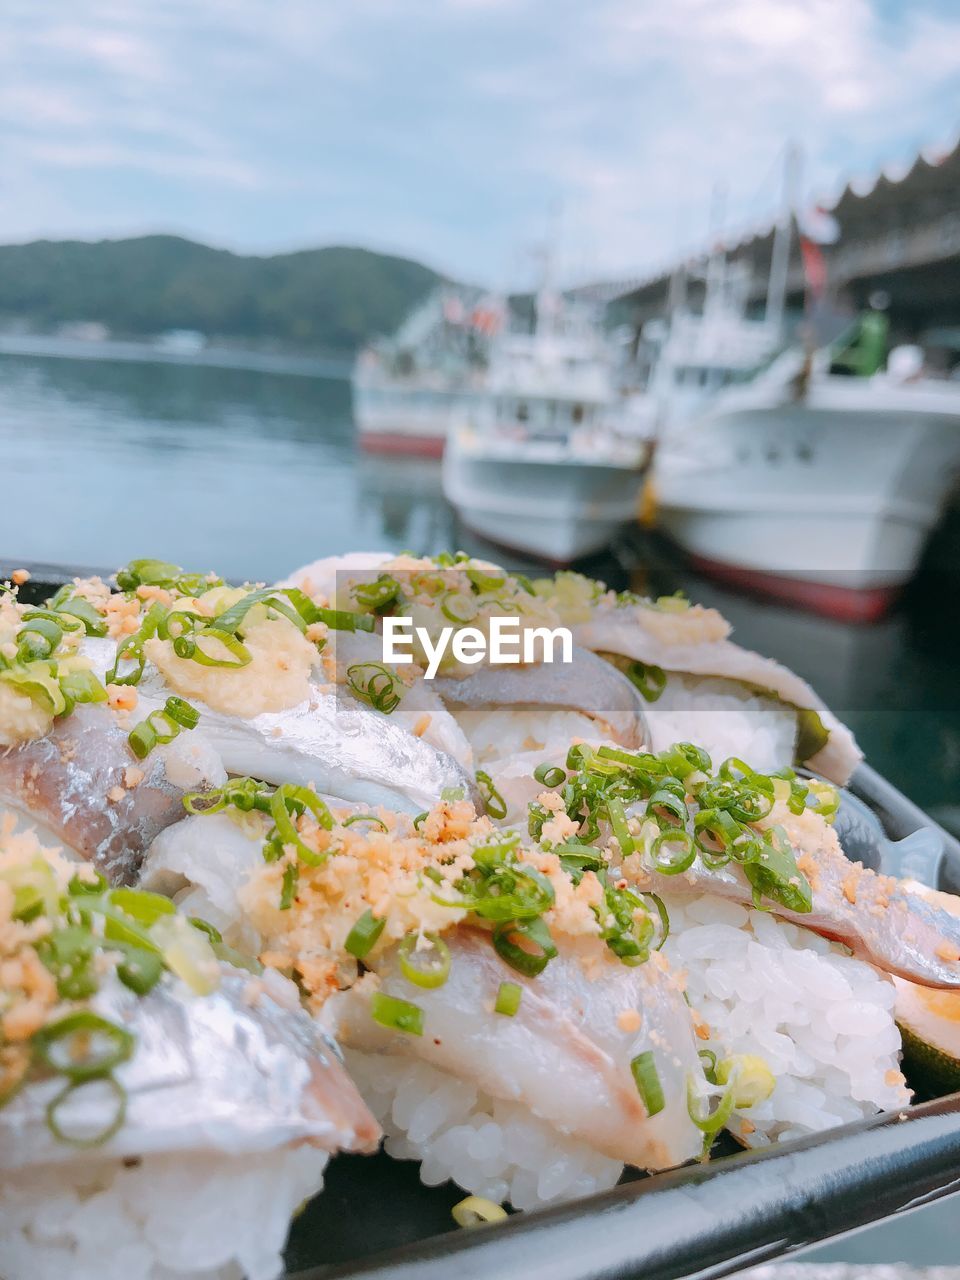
251, 682
65, 761
701, 685
501, 709
821, 1020
161, 1114
504, 1008
86, 789
696, 683
670, 820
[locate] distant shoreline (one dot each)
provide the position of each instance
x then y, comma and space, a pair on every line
213, 357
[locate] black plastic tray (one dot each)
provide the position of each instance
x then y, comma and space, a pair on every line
376, 1221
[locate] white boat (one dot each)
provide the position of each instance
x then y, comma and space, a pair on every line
409, 389
816, 486
540, 467
699, 354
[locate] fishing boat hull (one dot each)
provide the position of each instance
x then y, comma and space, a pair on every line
554, 510
827, 501
412, 420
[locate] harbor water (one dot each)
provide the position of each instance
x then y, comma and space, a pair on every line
252, 472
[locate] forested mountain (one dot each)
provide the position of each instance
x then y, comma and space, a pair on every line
330, 299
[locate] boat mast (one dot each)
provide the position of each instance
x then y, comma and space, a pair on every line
780, 250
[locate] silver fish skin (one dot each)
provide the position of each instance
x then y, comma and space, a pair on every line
885, 924
328, 741
564, 1054
587, 684
619, 630
234, 1072
73, 783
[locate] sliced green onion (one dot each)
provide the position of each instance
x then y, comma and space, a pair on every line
151, 573
344, 620
551, 775
81, 1140
715, 831
684, 758
667, 809
189, 646
775, 874
81, 609
398, 1015
509, 995
38, 638
364, 817
206, 928
714, 1121
83, 1046
142, 906
643, 1068
131, 648
140, 970
709, 1060
379, 595
374, 683
618, 820
492, 799
162, 726
288, 892
673, 851
525, 961
363, 937
458, 606
485, 582
182, 713
288, 800
649, 679
436, 967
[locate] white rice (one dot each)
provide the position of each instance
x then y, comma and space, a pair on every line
720, 715
725, 719
822, 1020
490, 1148
498, 733
205, 1217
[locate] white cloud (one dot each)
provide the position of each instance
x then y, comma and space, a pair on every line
451, 130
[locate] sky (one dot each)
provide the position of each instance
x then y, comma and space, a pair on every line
463, 133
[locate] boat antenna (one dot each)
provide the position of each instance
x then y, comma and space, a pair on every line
780, 249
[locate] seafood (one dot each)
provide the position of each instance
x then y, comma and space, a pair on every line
564, 1055
138, 1072
83, 785
328, 741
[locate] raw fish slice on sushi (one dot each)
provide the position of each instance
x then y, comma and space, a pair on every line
243, 670
162, 1114
65, 760
670, 820
505, 1009
696, 681
501, 708
700, 684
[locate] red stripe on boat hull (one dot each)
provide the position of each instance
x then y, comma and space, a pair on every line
396, 442
846, 604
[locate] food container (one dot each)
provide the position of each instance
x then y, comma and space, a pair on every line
376, 1221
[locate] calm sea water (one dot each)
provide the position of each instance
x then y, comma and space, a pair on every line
252, 473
